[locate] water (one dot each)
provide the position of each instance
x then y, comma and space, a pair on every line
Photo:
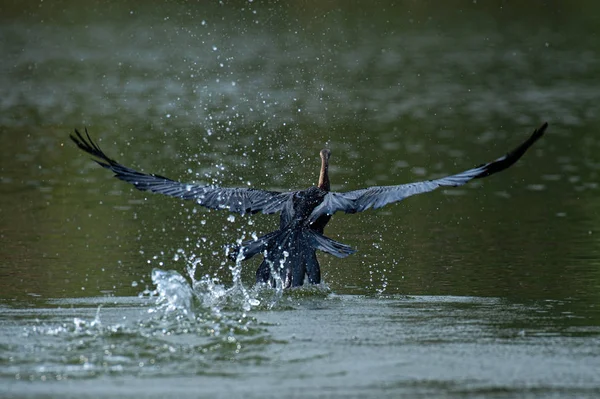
315, 346
491, 289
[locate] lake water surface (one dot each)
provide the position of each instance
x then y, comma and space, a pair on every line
487, 290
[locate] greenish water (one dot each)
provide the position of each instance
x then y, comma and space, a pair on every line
487, 290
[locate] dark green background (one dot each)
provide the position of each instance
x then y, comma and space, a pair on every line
239, 92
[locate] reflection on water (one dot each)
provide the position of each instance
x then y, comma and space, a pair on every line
504, 272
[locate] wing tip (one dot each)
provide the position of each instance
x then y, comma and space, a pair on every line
539, 132
535, 136
89, 146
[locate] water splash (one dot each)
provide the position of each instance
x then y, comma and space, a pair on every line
83, 326
182, 327
174, 293
188, 329
238, 289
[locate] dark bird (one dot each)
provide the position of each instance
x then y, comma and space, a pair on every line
290, 252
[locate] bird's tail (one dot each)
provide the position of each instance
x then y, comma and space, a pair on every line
286, 238
290, 252
326, 244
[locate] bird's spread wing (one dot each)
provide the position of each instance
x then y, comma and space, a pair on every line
239, 200
376, 197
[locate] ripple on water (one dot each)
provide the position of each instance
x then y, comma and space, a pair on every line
202, 328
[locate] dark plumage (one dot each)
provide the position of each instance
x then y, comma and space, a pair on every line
291, 250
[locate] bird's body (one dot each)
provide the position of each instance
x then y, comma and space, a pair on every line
290, 251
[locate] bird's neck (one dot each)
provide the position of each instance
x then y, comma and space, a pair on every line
324, 176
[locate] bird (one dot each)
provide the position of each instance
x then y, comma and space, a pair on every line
289, 253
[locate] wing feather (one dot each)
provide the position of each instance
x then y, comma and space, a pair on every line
238, 200
376, 197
